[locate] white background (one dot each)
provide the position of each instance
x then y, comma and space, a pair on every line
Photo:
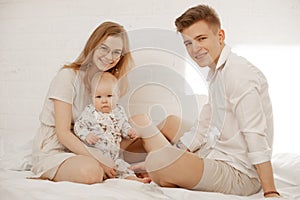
38, 36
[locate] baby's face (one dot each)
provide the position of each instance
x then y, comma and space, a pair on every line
104, 98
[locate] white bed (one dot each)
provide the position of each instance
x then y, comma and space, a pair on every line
159, 101
16, 160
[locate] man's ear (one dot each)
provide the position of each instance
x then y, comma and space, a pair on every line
221, 35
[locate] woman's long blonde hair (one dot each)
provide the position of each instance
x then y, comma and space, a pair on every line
100, 34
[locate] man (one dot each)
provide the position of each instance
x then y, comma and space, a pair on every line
235, 129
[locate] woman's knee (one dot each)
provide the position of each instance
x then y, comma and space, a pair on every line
80, 169
91, 172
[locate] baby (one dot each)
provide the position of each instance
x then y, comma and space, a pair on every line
103, 123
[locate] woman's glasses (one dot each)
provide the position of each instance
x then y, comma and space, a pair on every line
104, 50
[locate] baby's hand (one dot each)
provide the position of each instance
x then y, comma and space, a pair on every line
132, 134
91, 139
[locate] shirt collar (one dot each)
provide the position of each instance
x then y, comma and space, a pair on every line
221, 61
224, 56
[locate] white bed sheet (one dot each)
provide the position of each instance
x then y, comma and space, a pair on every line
14, 185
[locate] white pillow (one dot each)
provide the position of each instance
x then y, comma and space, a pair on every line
286, 168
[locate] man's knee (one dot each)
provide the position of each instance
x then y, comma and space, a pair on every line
140, 120
158, 165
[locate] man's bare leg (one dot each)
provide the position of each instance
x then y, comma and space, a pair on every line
167, 165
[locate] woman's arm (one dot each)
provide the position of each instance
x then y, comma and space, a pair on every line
265, 173
63, 119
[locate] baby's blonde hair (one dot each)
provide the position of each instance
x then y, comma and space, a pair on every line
102, 77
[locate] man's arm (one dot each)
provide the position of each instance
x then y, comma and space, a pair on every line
265, 173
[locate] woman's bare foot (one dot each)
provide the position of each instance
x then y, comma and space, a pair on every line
143, 180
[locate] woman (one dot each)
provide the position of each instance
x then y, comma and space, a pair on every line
58, 154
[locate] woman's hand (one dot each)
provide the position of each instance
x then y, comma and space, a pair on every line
109, 172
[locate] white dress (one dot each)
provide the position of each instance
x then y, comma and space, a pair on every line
48, 154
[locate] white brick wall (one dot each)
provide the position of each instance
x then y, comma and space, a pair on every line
38, 36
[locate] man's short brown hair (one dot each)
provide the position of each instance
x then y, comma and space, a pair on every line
198, 13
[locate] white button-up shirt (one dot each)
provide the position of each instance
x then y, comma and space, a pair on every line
236, 126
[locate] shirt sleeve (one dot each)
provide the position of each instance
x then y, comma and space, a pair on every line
244, 89
62, 86
253, 125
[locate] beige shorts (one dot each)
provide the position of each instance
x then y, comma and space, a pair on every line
218, 176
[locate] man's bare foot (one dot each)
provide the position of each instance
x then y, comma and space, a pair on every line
143, 180
139, 170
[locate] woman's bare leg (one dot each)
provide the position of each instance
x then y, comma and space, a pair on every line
167, 165
80, 169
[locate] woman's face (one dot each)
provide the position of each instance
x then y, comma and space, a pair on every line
108, 53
